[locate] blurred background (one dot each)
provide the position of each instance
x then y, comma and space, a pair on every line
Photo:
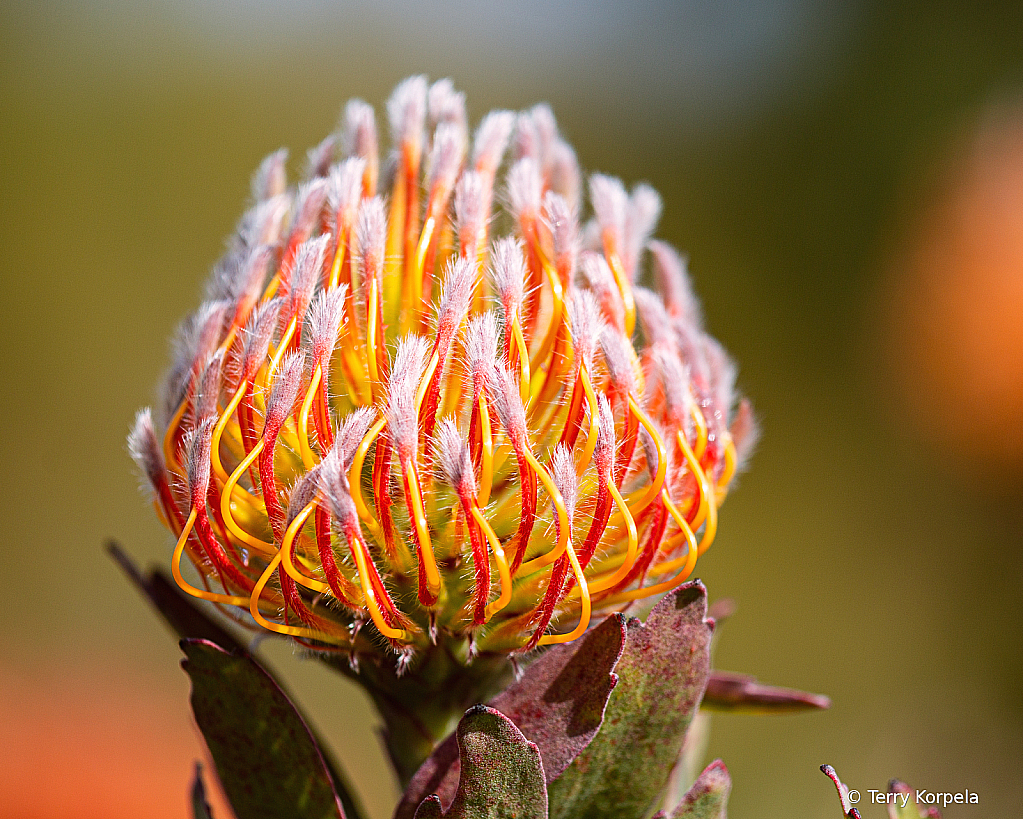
848, 182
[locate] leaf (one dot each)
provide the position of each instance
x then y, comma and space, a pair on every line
268, 762
708, 798
188, 619
727, 691
689, 763
558, 704
200, 807
502, 776
662, 674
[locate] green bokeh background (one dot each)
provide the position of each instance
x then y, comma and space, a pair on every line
867, 563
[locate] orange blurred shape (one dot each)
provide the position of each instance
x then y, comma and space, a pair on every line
96, 743
958, 307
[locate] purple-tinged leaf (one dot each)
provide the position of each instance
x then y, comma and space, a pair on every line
200, 807
727, 691
848, 810
502, 776
662, 675
708, 798
558, 704
268, 762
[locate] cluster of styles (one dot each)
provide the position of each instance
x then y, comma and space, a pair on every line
430, 438
386, 413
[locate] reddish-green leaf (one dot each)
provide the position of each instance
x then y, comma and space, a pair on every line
558, 704
501, 772
708, 798
727, 691
690, 761
662, 675
268, 762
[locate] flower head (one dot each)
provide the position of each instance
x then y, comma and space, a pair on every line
387, 414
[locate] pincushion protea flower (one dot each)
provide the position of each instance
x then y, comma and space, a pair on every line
405, 408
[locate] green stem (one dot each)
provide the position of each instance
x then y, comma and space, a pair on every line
422, 707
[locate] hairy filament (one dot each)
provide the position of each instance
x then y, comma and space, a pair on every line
586, 606
617, 577
184, 585
428, 563
708, 501
287, 543
502, 563
651, 492
564, 526
292, 631
308, 458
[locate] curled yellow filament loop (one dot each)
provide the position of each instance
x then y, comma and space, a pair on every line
361, 556
355, 479
609, 582
688, 562
564, 525
501, 561
523, 356
708, 501
557, 310
282, 348
625, 289
308, 458
586, 606
339, 259
372, 330
225, 345
433, 581
218, 430
280, 628
424, 383
271, 288
591, 402
289, 565
486, 453
228, 513
184, 585
416, 284
701, 432
651, 492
